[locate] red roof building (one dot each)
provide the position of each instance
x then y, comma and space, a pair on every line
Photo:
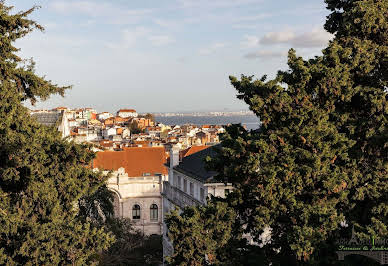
127, 111
137, 161
191, 150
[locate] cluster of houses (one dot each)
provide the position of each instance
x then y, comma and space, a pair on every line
153, 170
125, 129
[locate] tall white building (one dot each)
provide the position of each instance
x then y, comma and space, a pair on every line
137, 177
104, 115
189, 184
125, 113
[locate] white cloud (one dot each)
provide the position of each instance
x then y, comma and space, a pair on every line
317, 37
250, 41
160, 40
244, 26
265, 54
129, 37
114, 14
277, 37
88, 23
215, 3
169, 24
212, 49
253, 18
314, 38
86, 7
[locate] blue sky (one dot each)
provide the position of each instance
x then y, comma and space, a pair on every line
166, 55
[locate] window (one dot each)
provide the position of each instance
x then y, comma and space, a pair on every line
179, 182
185, 185
191, 189
136, 212
202, 194
154, 212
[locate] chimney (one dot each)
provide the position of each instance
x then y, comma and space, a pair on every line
174, 156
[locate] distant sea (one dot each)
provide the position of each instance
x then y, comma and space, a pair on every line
250, 121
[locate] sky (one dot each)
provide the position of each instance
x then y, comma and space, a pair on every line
165, 55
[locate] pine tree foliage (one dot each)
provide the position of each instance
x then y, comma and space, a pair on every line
320, 155
42, 176
131, 247
97, 206
201, 235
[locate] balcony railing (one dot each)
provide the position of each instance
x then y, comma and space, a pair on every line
178, 197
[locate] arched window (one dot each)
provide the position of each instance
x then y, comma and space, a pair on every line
136, 212
154, 212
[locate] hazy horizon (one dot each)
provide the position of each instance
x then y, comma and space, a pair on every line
144, 112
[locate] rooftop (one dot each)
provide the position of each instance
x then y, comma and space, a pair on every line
127, 110
192, 150
194, 165
137, 161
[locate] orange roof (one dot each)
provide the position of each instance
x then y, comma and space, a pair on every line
120, 119
127, 110
191, 150
135, 160
106, 143
60, 108
142, 142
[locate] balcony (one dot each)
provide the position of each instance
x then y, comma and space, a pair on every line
178, 197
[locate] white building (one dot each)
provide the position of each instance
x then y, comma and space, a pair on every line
189, 184
137, 177
109, 131
104, 115
126, 133
124, 113
93, 134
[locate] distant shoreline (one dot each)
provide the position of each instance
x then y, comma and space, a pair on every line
205, 114
251, 121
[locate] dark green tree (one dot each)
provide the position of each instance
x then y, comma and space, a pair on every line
320, 156
97, 206
132, 247
205, 235
42, 176
134, 128
150, 117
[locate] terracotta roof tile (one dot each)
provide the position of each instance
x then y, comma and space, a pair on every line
127, 110
135, 160
191, 150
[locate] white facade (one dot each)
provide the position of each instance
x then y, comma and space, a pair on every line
94, 134
64, 126
111, 131
182, 190
139, 199
104, 115
126, 133
127, 113
74, 123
